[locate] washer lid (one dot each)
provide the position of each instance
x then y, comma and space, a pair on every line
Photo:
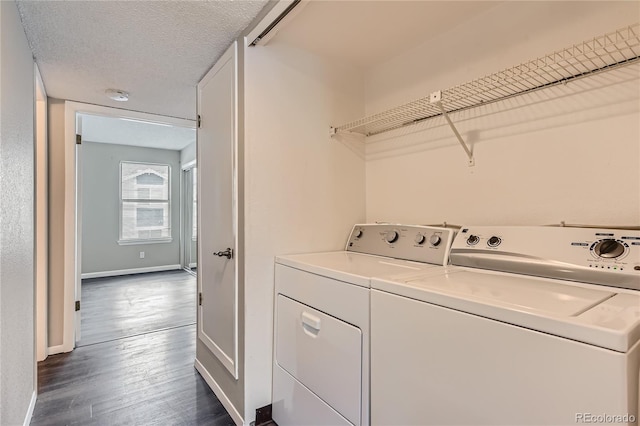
355, 268
600, 316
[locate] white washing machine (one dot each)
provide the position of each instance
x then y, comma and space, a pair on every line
321, 327
535, 326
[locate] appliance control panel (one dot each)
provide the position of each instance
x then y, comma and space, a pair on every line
418, 243
598, 256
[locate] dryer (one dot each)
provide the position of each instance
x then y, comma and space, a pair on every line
535, 326
321, 326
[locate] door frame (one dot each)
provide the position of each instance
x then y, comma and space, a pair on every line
42, 219
186, 220
73, 201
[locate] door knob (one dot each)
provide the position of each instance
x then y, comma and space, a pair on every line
228, 253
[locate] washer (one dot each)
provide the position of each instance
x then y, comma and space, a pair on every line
321, 327
536, 326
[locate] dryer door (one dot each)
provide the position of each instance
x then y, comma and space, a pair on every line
321, 352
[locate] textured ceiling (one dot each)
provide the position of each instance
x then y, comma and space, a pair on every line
135, 133
155, 50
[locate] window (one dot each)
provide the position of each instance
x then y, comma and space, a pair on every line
144, 202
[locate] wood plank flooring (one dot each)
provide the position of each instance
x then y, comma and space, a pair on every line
143, 380
137, 363
116, 307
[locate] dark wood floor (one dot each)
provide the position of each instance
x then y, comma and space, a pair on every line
117, 307
147, 378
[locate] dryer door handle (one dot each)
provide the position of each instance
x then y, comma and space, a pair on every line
310, 324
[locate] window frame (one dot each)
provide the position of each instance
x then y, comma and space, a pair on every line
133, 241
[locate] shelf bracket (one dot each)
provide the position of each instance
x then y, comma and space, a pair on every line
436, 98
333, 131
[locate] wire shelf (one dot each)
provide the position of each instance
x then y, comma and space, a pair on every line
602, 53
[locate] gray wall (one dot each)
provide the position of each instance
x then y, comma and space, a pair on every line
17, 351
100, 215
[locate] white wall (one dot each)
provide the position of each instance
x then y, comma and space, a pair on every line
569, 153
101, 252
303, 190
17, 349
188, 154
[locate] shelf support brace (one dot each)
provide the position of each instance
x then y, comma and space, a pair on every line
436, 98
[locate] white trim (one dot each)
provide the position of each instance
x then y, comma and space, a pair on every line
41, 316
69, 250
190, 165
193, 265
217, 390
149, 241
53, 350
119, 272
270, 17
32, 405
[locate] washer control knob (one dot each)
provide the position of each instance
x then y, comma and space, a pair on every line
391, 236
419, 239
473, 240
494, 241
435, 240
357, 233
609, 249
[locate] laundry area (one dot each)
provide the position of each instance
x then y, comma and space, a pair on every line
510, 131
398, 212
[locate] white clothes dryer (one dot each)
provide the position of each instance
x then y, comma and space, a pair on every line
321, 327
535, 326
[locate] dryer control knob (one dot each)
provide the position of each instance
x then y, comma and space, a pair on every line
391, 236
357, 233
473, 240
494, 241
609, 249
435, 240
419, 239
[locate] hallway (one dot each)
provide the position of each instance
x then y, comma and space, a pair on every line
135, 363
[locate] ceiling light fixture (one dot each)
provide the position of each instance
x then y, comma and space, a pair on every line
117, 95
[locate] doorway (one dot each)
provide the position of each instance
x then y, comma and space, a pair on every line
65, 285
128, 207
189, 241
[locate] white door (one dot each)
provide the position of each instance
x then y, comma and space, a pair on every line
218, 213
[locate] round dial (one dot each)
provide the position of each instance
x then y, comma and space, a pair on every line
391, 236
435, 240
494, 241
609, 249
473, 240
419, 239
358, 233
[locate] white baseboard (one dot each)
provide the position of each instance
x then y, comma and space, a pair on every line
55, 350
193, 265
235, 415
129, 271
32, 405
